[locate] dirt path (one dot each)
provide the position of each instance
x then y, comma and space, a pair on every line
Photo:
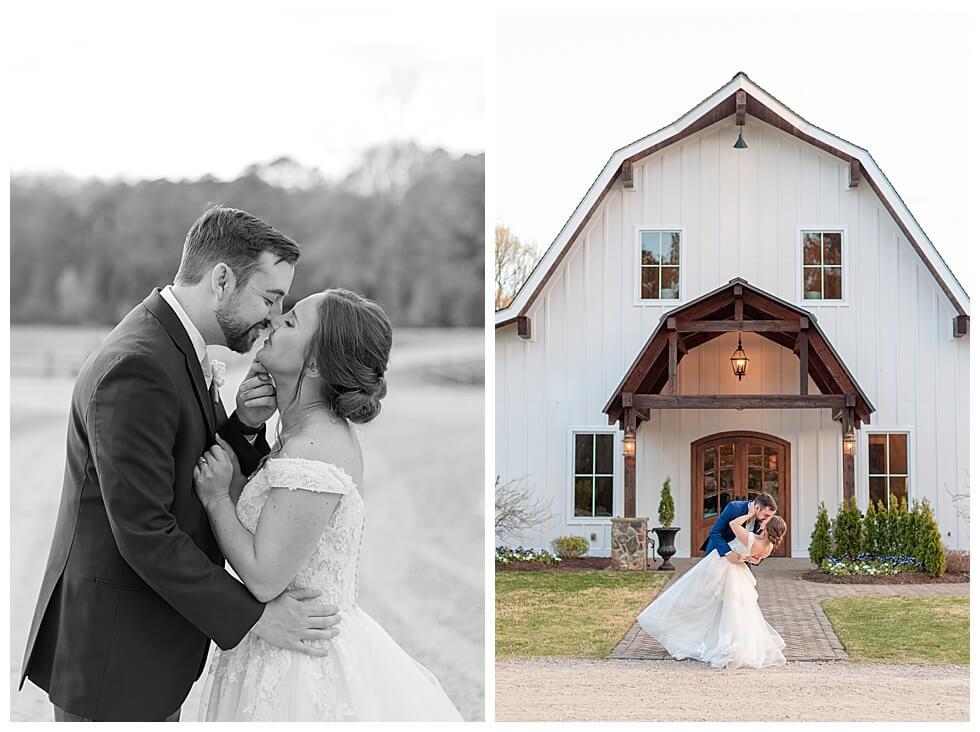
571, 689
422, 558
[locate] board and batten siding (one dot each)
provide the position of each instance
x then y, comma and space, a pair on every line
741, 212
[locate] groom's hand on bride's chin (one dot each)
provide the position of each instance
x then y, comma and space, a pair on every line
256, 399
289, 621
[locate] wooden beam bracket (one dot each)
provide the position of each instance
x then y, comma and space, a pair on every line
626, 173
740, 104
524, 327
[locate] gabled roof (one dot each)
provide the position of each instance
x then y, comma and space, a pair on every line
718, 106
648, 372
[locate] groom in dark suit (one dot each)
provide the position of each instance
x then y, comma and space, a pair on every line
764, 506
135, 584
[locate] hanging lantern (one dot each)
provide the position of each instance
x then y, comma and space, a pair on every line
629, 443
740, 362
740, 143
850, 440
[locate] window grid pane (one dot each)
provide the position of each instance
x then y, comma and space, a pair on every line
593, 485
660, 265
822, 265
888, 451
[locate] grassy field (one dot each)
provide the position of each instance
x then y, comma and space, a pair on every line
907, 630
554, 613
422, 559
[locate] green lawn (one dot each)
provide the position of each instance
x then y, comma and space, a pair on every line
553, 613
909, 630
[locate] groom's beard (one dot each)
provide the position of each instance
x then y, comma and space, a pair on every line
239, 335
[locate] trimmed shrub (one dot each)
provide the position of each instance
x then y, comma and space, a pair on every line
907, 521
914, 529
871, 530
569, 547
820, 547
847, 530
893, 529
931, 543
666, 513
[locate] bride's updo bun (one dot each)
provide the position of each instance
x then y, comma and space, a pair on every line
775, 530
350, 350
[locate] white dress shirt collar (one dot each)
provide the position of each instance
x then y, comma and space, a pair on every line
197, 340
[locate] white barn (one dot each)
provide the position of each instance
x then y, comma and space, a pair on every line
855, 329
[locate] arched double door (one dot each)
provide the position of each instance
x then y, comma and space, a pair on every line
731, 466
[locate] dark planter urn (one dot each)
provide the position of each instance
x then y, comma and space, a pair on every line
665, 545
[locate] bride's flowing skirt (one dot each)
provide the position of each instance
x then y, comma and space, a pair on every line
712, 614
366, 677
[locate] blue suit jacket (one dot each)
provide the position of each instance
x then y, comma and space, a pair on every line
721, 532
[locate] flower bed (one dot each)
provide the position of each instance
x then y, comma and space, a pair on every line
870, 569
872, 566
535, 560
509, 555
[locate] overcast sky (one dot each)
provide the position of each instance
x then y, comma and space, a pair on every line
179, 89
571, 89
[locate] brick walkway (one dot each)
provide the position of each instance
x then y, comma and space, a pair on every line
792, 607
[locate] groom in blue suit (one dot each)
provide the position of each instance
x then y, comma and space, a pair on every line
764, 506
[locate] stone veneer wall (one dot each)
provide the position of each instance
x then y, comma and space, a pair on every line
629, 543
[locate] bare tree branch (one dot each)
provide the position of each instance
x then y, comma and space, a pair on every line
513, 262
961, 502
517, 508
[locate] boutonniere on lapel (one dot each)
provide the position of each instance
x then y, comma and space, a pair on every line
217, 373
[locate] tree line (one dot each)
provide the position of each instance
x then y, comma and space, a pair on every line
404, 228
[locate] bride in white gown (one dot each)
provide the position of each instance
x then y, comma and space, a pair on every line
712, 613
298, 524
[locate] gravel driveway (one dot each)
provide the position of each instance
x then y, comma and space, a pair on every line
574, 689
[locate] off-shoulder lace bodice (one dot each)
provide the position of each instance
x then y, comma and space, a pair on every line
332, 567
364, 676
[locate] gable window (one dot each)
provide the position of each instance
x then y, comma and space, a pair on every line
888, 467
823, 256
660, 265
593, 476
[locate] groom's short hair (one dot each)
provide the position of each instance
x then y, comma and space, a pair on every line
234, 237
766, 501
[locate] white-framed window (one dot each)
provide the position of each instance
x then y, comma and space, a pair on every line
822, 271
593, 475
889, 463
659, 263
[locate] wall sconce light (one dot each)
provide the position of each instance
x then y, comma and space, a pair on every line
850, 440
629, 443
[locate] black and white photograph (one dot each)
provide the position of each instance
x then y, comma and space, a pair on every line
246, 363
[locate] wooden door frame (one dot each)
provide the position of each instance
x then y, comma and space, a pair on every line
785, 500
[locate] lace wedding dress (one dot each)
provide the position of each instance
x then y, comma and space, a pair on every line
712, 614
366, 676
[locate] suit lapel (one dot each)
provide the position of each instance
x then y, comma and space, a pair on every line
171, 323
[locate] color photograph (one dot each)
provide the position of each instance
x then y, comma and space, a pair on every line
732, 426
